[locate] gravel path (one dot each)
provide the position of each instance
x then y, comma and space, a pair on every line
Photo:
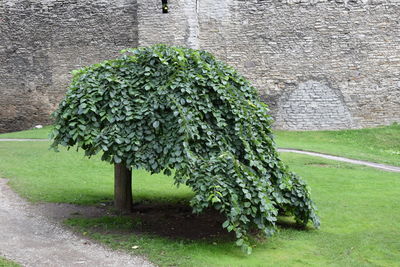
30, 238
353, 161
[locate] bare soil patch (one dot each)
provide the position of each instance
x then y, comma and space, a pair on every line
178, 222
174, 221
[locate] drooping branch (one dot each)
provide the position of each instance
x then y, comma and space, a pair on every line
166, 108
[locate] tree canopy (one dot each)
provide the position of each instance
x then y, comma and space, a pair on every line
183, 112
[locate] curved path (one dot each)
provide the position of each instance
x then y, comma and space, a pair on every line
342, 159
309, 153
30, 238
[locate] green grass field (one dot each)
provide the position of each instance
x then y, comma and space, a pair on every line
358, 207
42, 133
7, 263
40, 174
380, 144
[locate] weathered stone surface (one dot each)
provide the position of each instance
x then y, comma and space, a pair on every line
319, 64
353, 46
178, 27
42, 41
313, 105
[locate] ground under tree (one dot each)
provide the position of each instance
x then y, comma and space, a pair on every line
182, 112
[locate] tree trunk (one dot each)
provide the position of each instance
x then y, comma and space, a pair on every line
122, 188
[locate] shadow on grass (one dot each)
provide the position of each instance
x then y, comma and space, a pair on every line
169, 220
177, 221
289, 223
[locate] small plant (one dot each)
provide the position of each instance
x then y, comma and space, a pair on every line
166, 108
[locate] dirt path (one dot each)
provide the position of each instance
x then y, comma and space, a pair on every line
29, 237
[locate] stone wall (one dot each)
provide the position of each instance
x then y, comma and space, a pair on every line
319, 64
42, 41
178, 27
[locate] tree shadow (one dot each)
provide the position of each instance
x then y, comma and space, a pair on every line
286, 222
174, 221
177, 221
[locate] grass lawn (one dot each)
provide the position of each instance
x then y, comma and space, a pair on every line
380, 145
359, 209
40, 174
42, 133
7, 263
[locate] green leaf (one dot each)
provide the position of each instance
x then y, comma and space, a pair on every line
117, 159
215, 199
248, 250
239, 242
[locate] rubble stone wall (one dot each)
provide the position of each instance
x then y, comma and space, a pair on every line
319, 64
42, 41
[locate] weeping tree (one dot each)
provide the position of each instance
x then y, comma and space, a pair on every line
181, 111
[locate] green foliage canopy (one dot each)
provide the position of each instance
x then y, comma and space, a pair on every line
166, 108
